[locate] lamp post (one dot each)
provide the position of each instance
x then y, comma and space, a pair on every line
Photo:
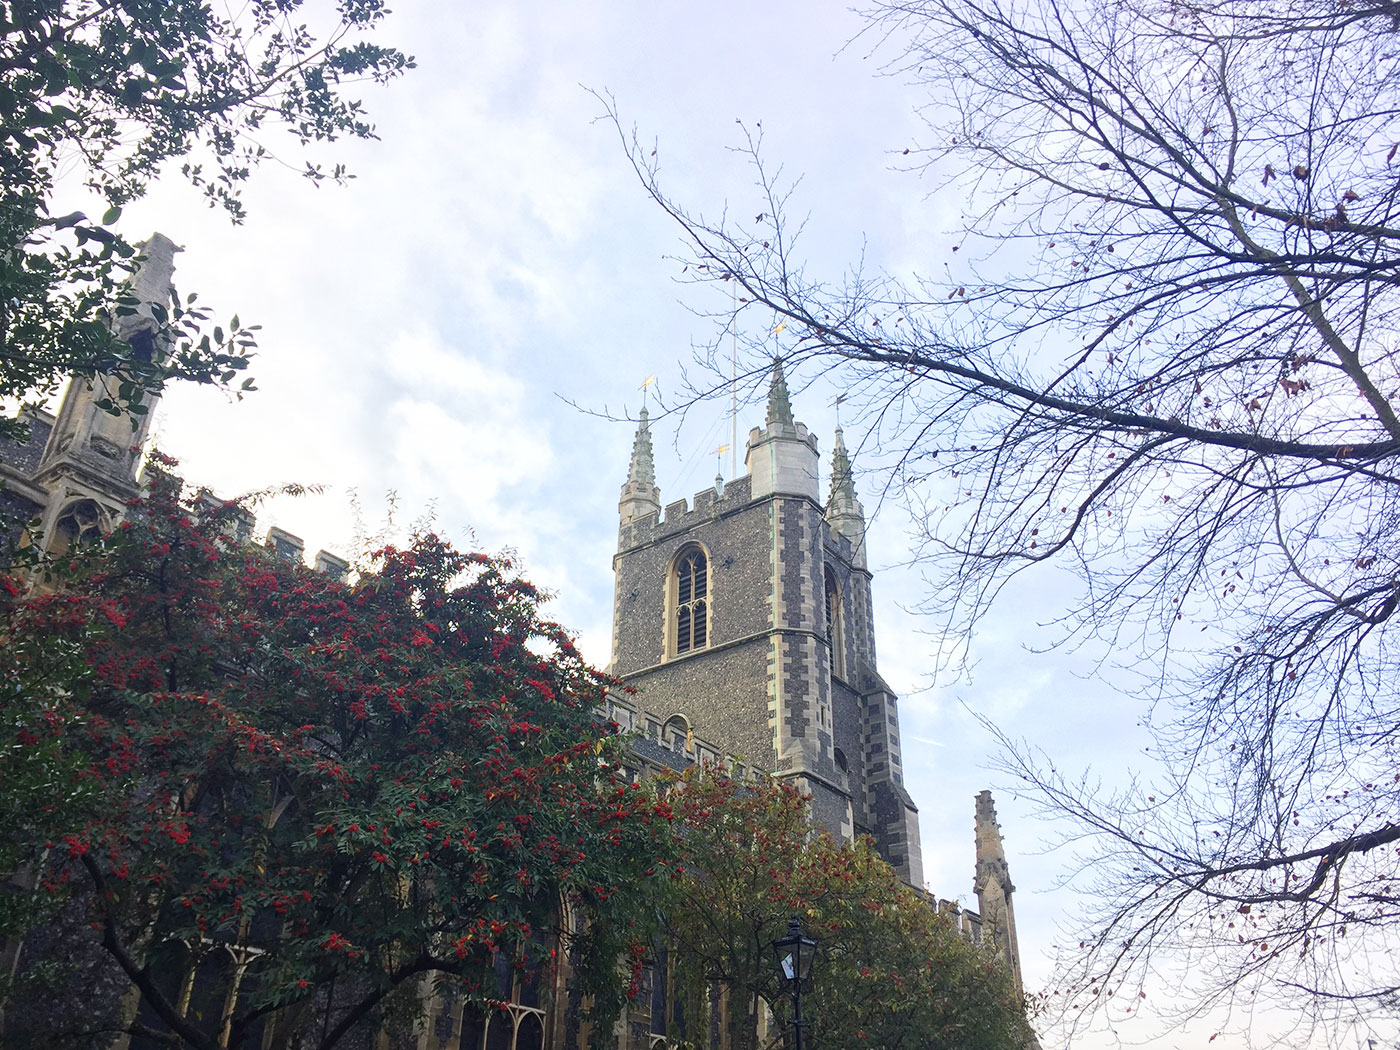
795, 954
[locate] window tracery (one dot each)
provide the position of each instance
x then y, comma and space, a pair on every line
692, 601
833, 625
81, 522
517, 1024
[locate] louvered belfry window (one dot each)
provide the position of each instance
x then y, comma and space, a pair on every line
833, 625
692, 602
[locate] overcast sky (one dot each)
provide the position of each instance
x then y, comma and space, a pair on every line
495, 258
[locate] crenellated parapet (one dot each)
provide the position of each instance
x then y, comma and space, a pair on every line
670, 742
236, 523
683, 515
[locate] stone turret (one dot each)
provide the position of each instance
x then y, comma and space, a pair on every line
88, 468
993, 887
782, 458
640, 495
843, 510
89, 439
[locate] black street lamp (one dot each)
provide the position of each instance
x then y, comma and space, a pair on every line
795, 954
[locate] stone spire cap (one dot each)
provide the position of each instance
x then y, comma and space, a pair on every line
991, 853
150, 284
843, 509
151, 281
843, 486
779, 405
640, 496
986, 808
643, 469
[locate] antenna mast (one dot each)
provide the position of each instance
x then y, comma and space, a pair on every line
734, 380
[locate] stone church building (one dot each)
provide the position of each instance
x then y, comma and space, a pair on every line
742, 619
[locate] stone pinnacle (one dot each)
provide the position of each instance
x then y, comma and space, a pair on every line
643, 469
843, 486
779, 407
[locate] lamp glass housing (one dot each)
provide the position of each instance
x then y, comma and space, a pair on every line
795, 953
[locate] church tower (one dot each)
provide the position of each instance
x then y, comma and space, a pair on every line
747, 617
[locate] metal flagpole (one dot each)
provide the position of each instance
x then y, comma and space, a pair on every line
734, 382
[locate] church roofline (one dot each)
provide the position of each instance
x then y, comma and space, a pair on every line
682, 515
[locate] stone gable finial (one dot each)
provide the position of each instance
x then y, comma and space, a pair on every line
779, 406
643, 469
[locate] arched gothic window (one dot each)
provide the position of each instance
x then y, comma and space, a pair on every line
81, 522
692, 605
833, 625
675, 734
841, 763
518, 1026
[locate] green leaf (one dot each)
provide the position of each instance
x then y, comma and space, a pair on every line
111, 215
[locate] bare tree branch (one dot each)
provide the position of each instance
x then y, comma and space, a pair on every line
1165, 356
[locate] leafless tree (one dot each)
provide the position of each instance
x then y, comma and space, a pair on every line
1165, 354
